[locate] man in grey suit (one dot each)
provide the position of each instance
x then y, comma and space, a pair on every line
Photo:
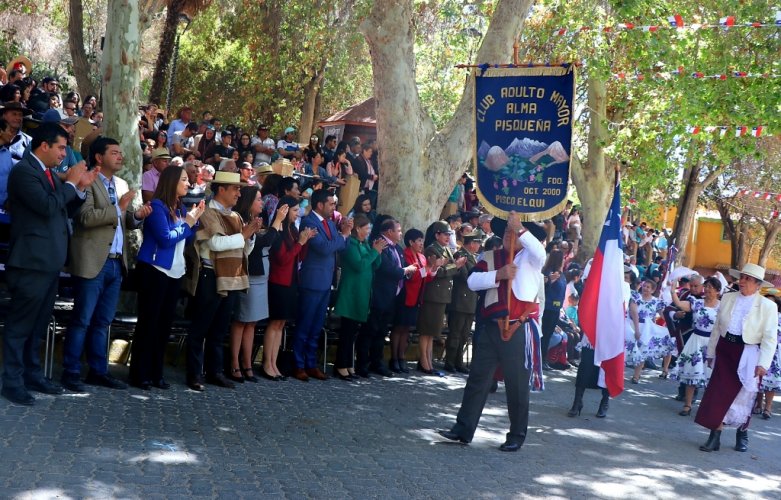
98, 261
40, 204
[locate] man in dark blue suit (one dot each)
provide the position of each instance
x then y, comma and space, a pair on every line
388, 283
40, 205
316, 276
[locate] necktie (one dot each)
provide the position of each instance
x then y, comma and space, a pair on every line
49, 176
327, 229
395, 253
112, 195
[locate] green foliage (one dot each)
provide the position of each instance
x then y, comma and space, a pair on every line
449, 32
248, 61
648, 119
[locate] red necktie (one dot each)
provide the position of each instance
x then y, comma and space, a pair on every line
49, 176
327, 229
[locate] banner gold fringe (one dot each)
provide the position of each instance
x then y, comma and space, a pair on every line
526, 71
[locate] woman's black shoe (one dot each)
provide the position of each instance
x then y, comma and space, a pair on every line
423, 370
713, 443
346, 378
249, 376
236, 378
394, 366
269, 377
603, 405
577, 404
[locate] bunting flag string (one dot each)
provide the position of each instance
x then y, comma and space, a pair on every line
680, 72
759, 195
775, 214
740, 130
675, 22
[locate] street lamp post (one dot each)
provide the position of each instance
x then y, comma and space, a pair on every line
183, 18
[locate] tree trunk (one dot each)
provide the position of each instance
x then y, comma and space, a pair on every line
594, 180
419, 163
772, 230
308, 108
81, 66
165, 52
120, 68
740, 255
687, 210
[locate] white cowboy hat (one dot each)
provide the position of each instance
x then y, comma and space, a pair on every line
752, 270
222, 177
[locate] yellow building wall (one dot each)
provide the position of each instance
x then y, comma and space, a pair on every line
711, 251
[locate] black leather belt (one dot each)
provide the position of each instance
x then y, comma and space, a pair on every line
733, 339
115, 256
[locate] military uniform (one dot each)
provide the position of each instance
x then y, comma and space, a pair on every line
461, 314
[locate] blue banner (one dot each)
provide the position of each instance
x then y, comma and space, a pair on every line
523, 139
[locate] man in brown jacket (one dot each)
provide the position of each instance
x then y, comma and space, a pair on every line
98, 261
461, 312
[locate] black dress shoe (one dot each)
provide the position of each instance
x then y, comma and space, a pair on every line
452, 436
381, 370
363, 373
220, 380
449, 368
144, 385
162, 384
462, 369
104, 380
508, 446
353, 376
72, 382
394, 366
18, 395
196, 384
403, 366
44, 386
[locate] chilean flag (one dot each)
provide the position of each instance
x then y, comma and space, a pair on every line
601, 307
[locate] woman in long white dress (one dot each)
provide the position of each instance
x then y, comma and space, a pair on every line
691, 368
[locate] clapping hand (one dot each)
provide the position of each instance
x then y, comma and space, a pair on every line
460, 262
195, 213
306, 234
347, 226
125, 200
80, 177
380, 244
280, 216
143, 211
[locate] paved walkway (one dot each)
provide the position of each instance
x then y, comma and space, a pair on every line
374, 439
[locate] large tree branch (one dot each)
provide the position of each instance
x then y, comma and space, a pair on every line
453, 145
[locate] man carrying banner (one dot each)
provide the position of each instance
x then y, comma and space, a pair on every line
505, 329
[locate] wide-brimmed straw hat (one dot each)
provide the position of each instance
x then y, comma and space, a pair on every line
230, 178
20, 60
752, 270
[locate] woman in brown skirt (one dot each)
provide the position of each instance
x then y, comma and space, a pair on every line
743, 343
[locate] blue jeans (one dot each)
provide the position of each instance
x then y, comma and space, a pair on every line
93, 311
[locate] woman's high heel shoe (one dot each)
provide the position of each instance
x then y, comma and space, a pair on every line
687, 410
269, 377
664, 375
248, 375
239, 378
577, 404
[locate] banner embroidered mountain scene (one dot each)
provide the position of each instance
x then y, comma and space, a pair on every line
523, 136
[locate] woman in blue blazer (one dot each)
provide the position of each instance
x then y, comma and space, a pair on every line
160, 269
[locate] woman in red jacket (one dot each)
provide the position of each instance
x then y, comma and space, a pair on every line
408, 302
284, 258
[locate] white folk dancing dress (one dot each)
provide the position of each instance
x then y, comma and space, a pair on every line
772, 379
691, 367
655, 341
